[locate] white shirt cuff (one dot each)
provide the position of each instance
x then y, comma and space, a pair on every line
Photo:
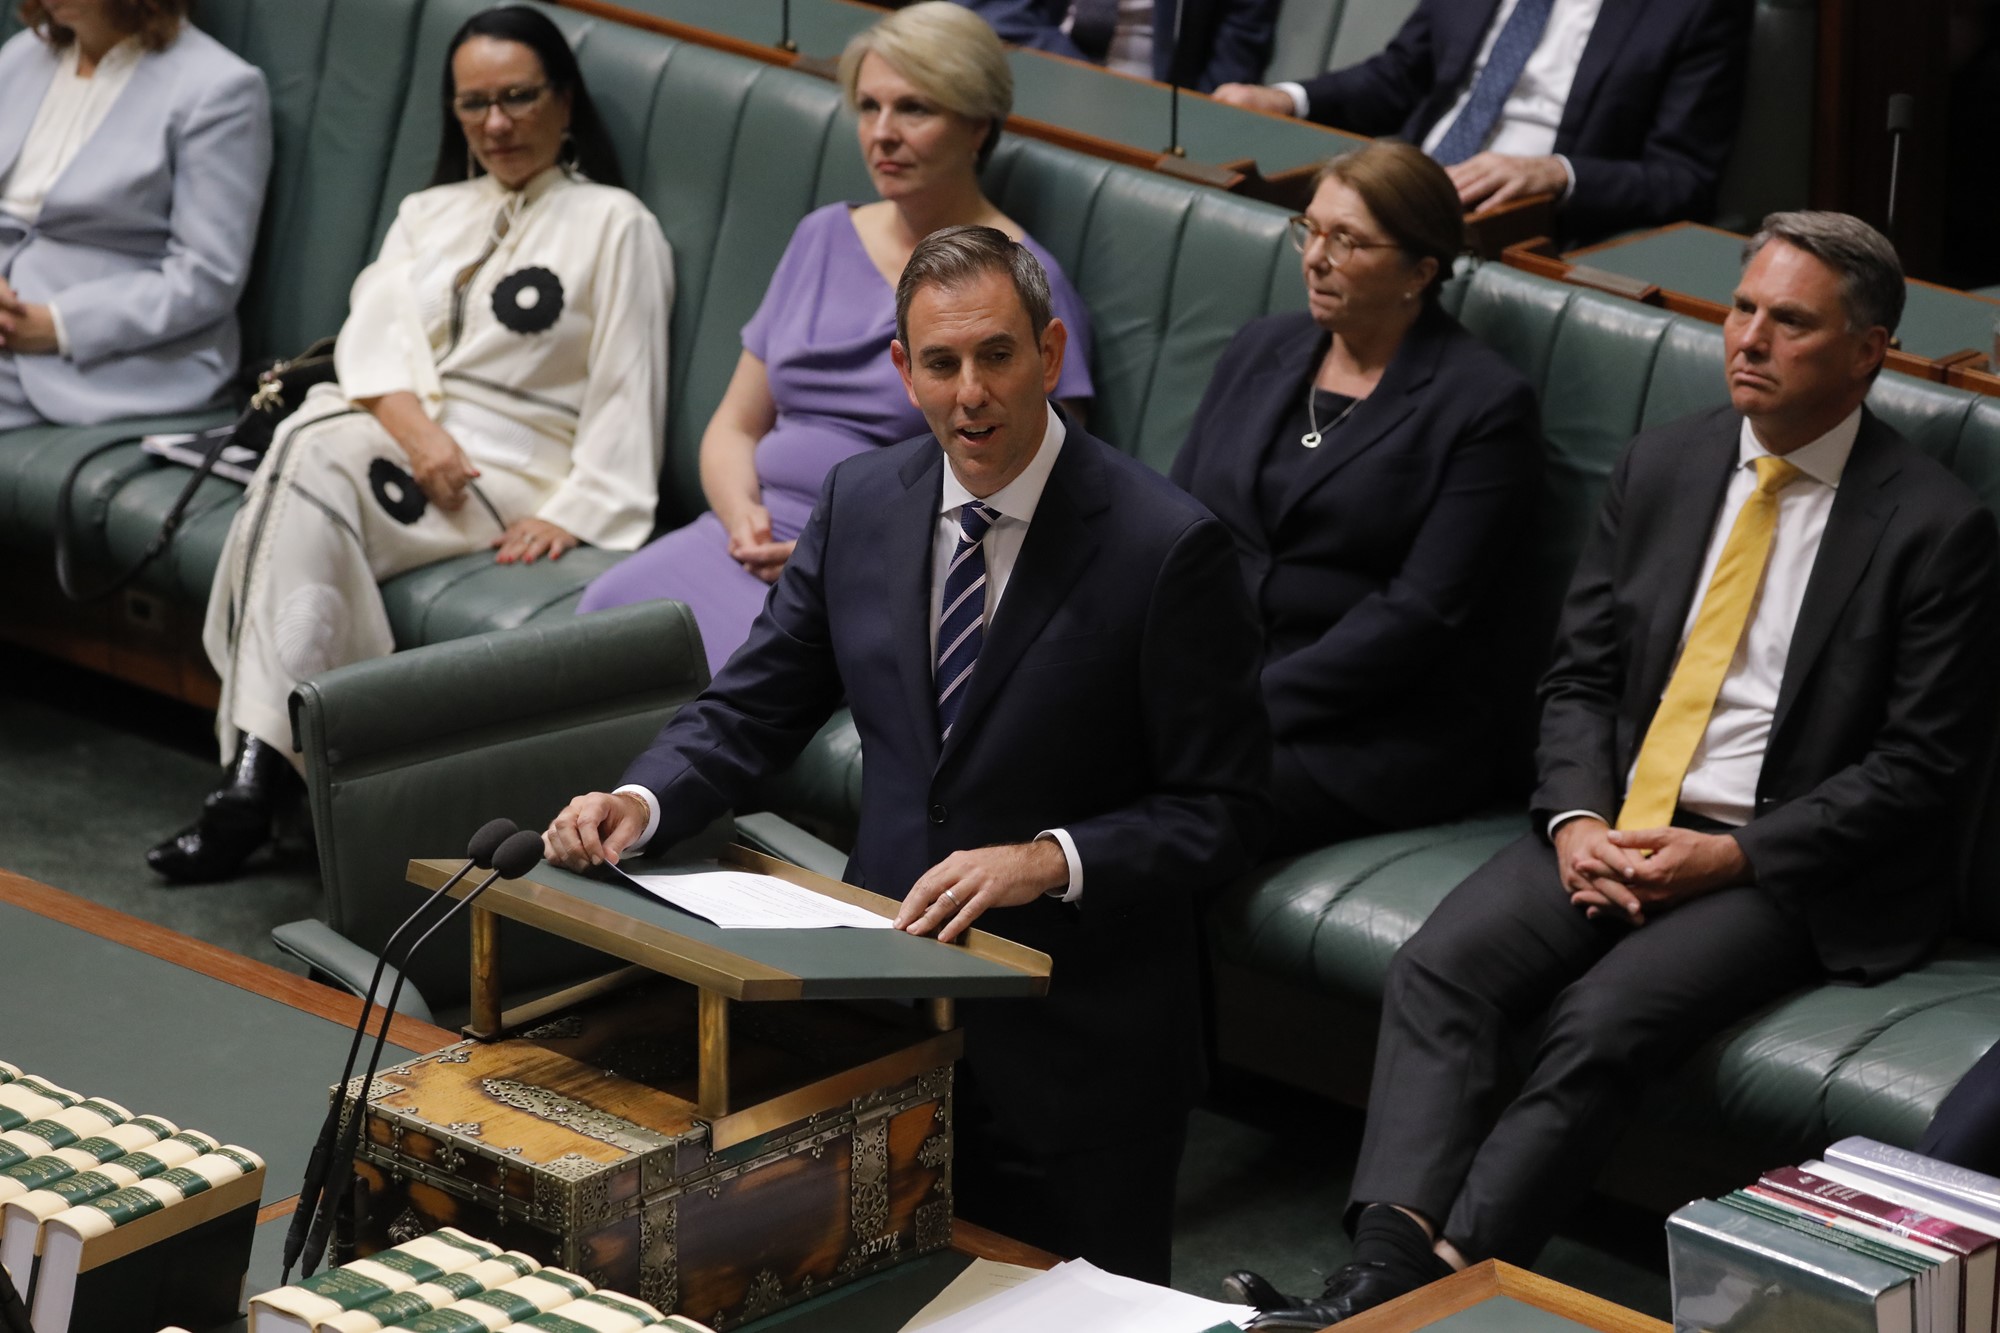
1301, 104
62, 334
652, 815
1570, 172
1062, 839
1554, 823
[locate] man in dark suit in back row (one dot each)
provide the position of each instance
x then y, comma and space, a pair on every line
1624, 109
1764, 719
1052, 663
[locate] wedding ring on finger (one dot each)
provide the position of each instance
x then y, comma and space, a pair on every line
954, 898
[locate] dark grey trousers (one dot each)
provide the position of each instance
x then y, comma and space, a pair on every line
1504, 949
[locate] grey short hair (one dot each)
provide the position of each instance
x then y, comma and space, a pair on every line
948, 53
955, 256
1871, 276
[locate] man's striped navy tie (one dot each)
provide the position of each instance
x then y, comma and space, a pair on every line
962, 621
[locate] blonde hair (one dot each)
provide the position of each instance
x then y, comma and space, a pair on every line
949, 53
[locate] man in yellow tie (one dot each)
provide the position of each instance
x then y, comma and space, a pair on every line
1763, 720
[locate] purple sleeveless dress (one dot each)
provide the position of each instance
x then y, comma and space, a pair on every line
823, 334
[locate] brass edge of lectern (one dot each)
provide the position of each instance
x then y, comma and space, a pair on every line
979, 943
836, 1090
533, 903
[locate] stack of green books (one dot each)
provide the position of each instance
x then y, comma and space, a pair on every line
449, 1282
116, 1223
1873, 1239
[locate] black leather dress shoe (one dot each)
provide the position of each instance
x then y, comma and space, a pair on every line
1244, 1287
1356, 1287
235, 819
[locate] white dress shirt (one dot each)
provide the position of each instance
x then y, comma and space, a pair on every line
1131, 49
1533, 110
1721, 781
70, 113
1015, 504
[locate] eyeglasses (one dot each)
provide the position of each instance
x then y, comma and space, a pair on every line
1340, 244
513, 102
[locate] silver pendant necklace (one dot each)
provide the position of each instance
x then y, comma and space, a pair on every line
1312, 438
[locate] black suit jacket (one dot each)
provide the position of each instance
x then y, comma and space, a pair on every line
1882, 714
1221, 41
1380, 590
1115, 697
1649, 119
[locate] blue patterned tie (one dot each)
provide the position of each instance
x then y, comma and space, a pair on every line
962, 620
1518, 39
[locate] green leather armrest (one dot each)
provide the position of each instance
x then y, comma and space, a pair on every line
767, 833
347, 964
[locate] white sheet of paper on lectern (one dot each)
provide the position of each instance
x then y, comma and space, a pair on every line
1077, 1295
740, 900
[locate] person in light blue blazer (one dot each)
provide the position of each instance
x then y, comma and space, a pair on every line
133, 155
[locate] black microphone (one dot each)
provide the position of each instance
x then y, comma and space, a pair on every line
479, 851
1902, 119
515, 857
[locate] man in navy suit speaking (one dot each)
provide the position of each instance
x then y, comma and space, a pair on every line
1052, 665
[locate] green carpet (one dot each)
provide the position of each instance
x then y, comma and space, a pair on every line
93, 772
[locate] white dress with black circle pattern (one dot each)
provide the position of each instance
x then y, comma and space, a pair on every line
532, 324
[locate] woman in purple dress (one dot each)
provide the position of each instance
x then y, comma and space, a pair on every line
814, 385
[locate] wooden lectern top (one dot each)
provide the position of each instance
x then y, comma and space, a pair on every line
627, 923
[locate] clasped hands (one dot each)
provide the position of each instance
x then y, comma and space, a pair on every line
597, 827
26, 329
1629, 873
750, 544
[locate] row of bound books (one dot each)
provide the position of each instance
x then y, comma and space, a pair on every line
449, 1282
1870, 1239
114, 1223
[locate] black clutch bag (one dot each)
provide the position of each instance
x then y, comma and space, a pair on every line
275, 393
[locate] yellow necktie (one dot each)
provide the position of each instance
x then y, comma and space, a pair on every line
1682, 718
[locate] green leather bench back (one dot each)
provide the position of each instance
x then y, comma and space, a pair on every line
1770, 167
1318, 35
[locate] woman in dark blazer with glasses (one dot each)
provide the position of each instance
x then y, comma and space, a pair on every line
1377, 465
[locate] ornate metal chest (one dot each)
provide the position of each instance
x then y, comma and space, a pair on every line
622, 1183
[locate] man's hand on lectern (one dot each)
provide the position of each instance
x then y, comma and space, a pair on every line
954, 893
594, 829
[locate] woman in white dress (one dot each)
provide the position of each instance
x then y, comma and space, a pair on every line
501, 384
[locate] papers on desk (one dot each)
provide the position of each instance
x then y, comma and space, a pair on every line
1074, 1295
739, 900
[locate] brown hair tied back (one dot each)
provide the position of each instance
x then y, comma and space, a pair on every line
155, 22
1410, 195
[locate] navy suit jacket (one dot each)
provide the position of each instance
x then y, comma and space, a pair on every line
1221, 41
1648, 124
1115, 697
1381, 589
1884, 710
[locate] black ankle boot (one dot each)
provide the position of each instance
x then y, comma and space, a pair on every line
235, 819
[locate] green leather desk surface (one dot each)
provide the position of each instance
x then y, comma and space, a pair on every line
1504, 1314
105, 1020
1064, 93
829, 964
1704, 263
